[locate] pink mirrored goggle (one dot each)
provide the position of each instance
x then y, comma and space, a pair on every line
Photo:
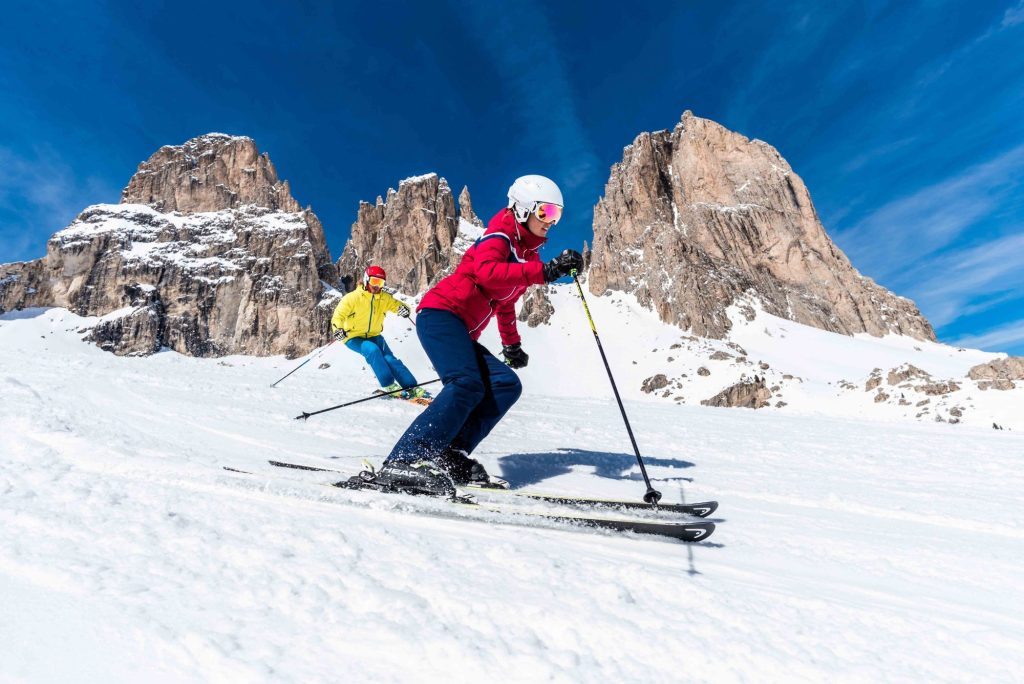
548, 212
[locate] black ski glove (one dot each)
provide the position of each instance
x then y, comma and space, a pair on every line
515, 357
340, 335
562, 265
403, 311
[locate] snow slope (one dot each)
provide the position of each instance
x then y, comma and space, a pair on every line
853, 545
816, 372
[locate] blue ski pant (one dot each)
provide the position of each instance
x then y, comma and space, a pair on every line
478, 390
385, 364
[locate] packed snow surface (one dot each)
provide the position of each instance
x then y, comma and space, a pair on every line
850, 547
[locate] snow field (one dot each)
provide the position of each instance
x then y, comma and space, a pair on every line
848, 549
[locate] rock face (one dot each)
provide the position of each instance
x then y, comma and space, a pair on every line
135, 330
412, 234
693, 218
215, 276
750, 394
466, 208
537, 307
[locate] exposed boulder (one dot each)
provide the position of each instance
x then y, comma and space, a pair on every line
906, 372
745, 394
938, 388
998, 374
1000, 384
653, 383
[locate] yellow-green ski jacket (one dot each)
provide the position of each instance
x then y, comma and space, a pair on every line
361, 314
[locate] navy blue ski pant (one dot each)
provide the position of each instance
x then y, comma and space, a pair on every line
478, 390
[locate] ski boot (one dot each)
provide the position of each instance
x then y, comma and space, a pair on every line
420, 393
392, 392
421, 476
467, 471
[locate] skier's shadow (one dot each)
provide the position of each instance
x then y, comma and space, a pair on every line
521, 470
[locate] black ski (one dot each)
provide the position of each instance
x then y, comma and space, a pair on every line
701, 510
683, 530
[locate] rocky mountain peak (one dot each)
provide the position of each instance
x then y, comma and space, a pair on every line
208, 254
466, 208
695, 218
413, 232
209, 173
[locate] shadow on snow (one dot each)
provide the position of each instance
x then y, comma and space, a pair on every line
522, 470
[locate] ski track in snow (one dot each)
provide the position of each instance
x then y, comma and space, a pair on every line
847, 550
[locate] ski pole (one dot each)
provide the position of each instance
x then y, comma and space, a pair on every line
306, 361
377, 395
652, 496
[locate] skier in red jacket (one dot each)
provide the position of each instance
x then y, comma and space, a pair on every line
433, 454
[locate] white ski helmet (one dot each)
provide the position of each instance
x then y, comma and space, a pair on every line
529, 191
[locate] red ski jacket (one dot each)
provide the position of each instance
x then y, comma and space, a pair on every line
492, 275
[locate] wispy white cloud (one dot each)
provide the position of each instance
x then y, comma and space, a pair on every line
1014, 16
914, 227
969, 281
524, 48
932, 73
1001, 338
877, 153
39, 195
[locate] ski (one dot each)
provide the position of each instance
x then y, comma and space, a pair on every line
419, 401
701, 510
687, 531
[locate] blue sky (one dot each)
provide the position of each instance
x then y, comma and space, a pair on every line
905, 119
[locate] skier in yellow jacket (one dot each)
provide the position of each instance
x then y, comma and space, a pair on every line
358, 321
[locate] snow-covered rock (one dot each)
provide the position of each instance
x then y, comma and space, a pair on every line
221, 273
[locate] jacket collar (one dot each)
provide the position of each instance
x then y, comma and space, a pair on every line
505, 222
